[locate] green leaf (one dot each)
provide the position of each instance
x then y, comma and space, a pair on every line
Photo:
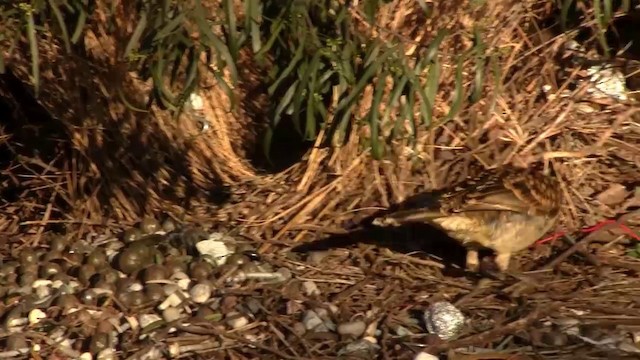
213, 41
61, 24
82, 19
394, 97
253, 20
232, 29
364, 80
458, 93
35, 55
171, 27
284, 102
135, 37
305, 79
432, 50
287, 71
564, 13
478, 81
374, 120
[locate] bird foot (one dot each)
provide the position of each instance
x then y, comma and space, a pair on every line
473, 261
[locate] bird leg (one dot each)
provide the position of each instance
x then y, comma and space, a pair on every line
473, 260
502, 260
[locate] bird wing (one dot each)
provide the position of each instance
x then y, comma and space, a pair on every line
516, 191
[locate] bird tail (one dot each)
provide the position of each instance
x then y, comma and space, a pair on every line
401, 217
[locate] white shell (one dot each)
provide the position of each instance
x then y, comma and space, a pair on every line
216, 246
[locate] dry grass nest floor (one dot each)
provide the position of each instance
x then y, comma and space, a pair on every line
576, 296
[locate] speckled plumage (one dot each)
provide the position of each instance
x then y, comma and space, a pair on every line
506, 210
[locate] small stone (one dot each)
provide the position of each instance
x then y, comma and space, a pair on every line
41, 282
170, 289
36, 315
135, 286
154, 273
352, 328
444, 319
106, 354
184, 284
285, 273
228, 303
171, 314
200, 293
215, 249
43, 291
86, 356
154, 292
16, 342
235, 320
99, 341
131, 235
171, 300
253, 305
312, 321
149, 225
299, 329
425, 356
147, 319
316, 257
310, 288
403, 331
168, 225
362, 348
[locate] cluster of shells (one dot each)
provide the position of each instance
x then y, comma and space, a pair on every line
88, 298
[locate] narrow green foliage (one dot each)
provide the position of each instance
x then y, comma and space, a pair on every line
458, 93
135, 37
33, 47
564, 13
63, 27
253, 19
480, 59
80, 6
601, 24
374, 121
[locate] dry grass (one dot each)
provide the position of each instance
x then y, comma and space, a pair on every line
595, 155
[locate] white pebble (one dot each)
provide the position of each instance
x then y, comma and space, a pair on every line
310, 288
57, 284
284, 273
43, 291
106, 354
36, 315
425, 356
200, 293
41, 282
184, 284
17, 322
136, 286
86, 356
235, 320
179, 275
147, 319
170, 289
174, 349
171, 300
171, 314
312, 321
216, 249
196, 101
352, 328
